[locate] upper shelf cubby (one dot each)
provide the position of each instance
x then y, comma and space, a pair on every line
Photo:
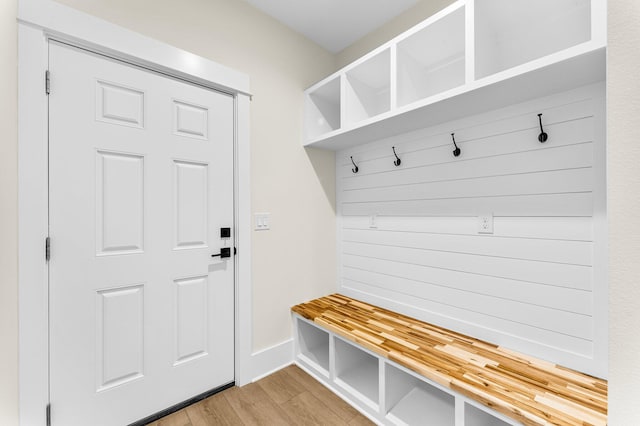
473, 56
367, 88
322, 109
431, 60
514, 32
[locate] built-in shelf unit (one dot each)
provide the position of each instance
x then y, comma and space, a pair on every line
471, 57
386, 392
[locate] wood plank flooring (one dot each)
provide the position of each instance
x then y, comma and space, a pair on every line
287, 397
530, 390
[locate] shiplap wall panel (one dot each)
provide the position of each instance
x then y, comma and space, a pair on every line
571, 252
565, 134
549, 228
550, 273
566, 299
565, 157
408, 235
478, 127
548, 204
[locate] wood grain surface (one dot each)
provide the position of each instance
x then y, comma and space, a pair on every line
530, 390
287, 397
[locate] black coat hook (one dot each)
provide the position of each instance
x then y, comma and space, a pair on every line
456, 152
397, 161
542, 137
355, 169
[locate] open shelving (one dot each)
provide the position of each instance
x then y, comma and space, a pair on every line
322, 109
470, 57
368, 88
476, 417
410, 401
384, 391
313, 344
513, 32
432, 60
357, 372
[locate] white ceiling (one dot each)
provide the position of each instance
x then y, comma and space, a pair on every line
333, 24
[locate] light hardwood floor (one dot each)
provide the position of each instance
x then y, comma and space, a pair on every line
287, 397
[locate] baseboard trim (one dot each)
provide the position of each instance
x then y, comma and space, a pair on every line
270, 360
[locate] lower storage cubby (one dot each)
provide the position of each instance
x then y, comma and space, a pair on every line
357, 372
475, 417
313, 345
384, 391
410, 401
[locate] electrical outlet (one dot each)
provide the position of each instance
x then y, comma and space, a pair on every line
263, 221
485, 223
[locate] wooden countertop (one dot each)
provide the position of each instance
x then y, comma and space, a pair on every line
532, 391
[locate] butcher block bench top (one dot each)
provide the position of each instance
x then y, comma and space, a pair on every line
524, 388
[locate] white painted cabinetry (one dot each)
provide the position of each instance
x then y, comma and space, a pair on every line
473, 56
384, 391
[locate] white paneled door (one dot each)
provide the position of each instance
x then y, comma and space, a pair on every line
141, 183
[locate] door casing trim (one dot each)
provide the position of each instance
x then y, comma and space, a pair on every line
38, 20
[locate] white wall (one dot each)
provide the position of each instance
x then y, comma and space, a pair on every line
295, 260
8, 214
529, 286
623, 158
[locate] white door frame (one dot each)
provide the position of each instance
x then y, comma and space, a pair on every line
40, 20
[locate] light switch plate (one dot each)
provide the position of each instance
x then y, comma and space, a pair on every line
485, 223
373, 221
262, 221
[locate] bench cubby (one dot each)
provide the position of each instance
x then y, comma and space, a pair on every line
313, 344
411, 400
357, 372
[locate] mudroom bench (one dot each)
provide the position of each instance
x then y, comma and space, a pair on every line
398, 370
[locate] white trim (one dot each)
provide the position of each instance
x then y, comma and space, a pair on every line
39, 19
244, 305
101, 36
32, 227
272, 359
600, 238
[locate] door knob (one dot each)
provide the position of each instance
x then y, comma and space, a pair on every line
224, 252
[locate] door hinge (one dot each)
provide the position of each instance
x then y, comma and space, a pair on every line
47, 249
48, 414
47, 82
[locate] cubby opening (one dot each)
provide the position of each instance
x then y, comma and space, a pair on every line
314, 346
357, 371
432, 60
367, 91
513, 32
410, 401
323, 109
476, 417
